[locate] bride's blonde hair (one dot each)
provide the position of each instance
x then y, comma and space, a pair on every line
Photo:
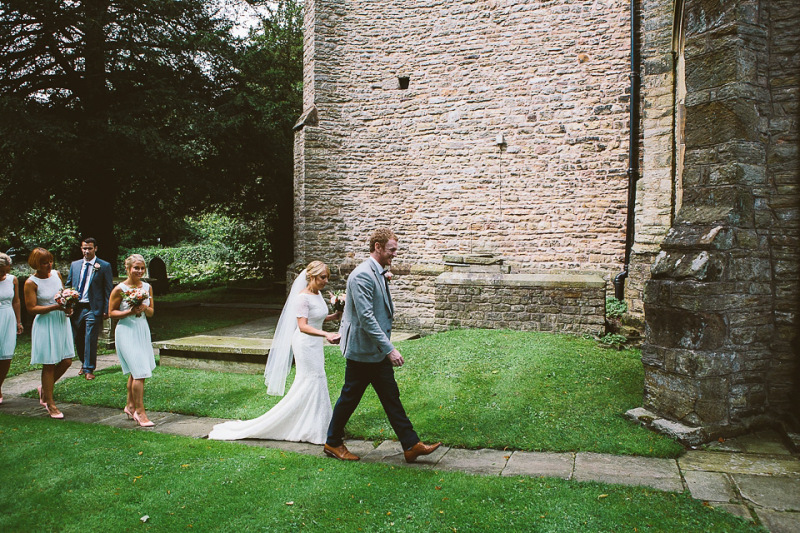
316, 268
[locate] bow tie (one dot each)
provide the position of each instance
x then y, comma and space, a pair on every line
384, 272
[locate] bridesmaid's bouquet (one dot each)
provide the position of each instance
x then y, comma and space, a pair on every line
337, 300
135, 297
67, 297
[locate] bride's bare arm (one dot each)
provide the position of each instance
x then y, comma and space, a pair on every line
334, 316
302, 325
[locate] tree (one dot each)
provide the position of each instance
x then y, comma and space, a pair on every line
256, 135
105, 107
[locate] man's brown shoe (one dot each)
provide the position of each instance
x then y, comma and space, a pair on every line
89, 376
420, 449
341, 453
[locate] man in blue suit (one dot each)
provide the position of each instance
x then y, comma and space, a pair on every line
92, 278
371, 357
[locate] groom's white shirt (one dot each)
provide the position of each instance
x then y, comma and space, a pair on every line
89, 275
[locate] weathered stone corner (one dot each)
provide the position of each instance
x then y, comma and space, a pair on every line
686, 435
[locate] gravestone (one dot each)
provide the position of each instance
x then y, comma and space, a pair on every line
157, 271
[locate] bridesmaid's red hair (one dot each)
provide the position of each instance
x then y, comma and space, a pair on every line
36, 257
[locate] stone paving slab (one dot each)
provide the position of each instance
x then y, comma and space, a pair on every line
486, 462
764, 442
121, 420
22, 383
736, 509
19, 406
771, 492
359, 447
387, 451
661, 474
779, 522
88, 414
190, 426
540, 464
710, 486
391, 452
304, 448
740, 463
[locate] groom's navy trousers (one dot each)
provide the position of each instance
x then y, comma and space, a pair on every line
357, 377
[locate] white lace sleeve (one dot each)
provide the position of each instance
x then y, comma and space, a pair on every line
303, 306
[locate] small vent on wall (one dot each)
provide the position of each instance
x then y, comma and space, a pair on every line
403, 81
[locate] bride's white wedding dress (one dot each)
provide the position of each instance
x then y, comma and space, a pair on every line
305, 412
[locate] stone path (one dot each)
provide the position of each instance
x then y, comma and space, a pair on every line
754, 476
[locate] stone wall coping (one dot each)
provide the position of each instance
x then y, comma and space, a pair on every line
402, 269
522, 280
423, 269
475, 259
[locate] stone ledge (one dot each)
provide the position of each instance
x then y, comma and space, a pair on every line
574, 281
219, 353
217, 344
245, 355
423, 269
473, 259
691, 436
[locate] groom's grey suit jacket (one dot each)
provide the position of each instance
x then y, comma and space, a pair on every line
367, 318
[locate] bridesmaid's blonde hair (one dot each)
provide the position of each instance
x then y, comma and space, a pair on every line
133, 258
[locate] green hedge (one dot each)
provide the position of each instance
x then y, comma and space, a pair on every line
189, 266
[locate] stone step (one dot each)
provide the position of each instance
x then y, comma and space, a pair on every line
227, 353
245, 355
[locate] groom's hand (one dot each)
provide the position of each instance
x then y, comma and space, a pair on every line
395, 358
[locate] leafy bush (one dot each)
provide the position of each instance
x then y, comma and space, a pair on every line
189, 266
219, 248
614, 339
615, 308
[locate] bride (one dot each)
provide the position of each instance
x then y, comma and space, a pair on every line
305, 412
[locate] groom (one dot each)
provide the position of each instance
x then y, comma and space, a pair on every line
366, 328
92, 278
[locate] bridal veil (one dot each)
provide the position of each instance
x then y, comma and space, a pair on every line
279, 360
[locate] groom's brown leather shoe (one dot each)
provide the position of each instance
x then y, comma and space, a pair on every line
340, 452
420, 449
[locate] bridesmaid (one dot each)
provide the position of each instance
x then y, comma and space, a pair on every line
10, 322
51, 336
132, 337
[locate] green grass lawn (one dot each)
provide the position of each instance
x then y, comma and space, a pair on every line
64, 476
467, 388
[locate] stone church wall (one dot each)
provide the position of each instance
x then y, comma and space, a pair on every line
501, 126
551, 78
